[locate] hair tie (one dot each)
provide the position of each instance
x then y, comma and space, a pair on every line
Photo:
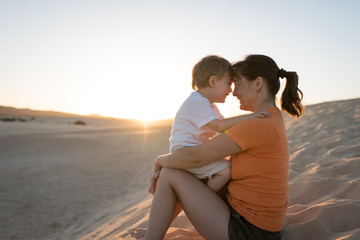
281, 73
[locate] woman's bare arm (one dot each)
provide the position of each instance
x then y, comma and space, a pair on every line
197, 156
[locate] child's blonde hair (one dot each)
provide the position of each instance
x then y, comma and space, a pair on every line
211, 65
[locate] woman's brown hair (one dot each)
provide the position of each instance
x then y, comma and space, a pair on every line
254, 66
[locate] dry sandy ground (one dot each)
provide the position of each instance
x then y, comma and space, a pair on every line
60, 181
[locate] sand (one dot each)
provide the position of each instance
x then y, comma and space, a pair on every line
61, 181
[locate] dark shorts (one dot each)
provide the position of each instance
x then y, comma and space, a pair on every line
241, 229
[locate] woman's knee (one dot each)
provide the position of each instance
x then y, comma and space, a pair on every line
169, 172
172, 175
165, 172
167, 176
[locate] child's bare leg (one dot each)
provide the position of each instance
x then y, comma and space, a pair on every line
219, 179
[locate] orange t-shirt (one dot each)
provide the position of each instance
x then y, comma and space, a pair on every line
258, 189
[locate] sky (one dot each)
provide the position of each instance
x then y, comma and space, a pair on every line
133, 59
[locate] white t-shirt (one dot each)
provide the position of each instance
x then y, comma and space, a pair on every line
188, 128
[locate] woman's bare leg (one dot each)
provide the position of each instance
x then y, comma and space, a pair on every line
206, 210
140, 232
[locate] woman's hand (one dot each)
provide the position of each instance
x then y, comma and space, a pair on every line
157, 166
153, 182
155, 177
158, 160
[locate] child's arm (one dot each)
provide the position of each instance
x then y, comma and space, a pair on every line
220, 125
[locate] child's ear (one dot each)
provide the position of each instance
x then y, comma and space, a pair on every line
212, 80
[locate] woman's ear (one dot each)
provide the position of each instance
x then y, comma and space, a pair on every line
259, 83
212, 80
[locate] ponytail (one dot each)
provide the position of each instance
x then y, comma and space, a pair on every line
291, 97
254, 66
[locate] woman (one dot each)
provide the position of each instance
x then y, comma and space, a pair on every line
257, 196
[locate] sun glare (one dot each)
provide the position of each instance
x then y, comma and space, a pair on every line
148, 118
142, 96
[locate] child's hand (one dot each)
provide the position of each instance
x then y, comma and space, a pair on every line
261, 114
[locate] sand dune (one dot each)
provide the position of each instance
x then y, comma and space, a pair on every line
90, 182
325, 179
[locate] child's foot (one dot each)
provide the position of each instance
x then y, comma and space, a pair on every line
138, 233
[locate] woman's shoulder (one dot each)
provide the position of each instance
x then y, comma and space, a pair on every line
258, 125
251, 126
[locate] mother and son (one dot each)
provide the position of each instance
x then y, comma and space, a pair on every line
255, 178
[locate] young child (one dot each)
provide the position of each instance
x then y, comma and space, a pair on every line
198, 118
